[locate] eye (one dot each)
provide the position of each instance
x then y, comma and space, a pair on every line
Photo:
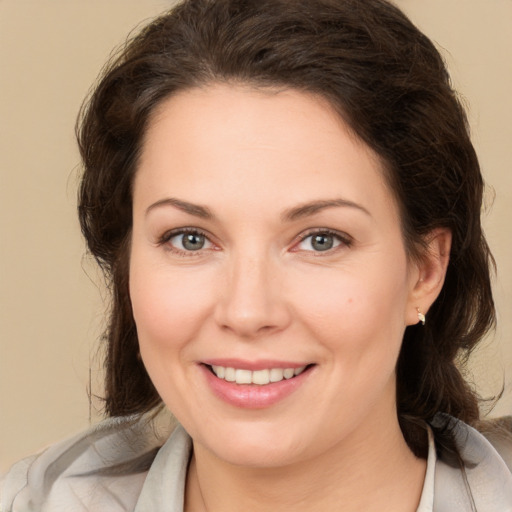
189, 240
322, 241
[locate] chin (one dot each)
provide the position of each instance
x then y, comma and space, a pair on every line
257, 444
257, 456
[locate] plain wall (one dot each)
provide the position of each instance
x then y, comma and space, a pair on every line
51, 312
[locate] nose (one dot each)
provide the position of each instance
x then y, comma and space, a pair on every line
252, 301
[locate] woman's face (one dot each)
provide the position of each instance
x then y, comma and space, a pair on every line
267, 248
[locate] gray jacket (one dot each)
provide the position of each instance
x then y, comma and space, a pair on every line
121, 466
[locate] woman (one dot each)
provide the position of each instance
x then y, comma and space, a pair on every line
286, 201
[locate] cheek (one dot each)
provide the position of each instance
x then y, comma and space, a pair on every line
169, 307
359, 312
350, 299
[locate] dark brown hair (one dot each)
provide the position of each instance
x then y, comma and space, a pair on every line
386, 80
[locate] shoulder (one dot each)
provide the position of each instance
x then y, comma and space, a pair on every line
102, 468
485, 480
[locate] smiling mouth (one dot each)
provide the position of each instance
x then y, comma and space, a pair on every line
257, 377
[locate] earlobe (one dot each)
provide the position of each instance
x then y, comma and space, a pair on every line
430, 275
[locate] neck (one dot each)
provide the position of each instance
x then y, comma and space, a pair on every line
371, 470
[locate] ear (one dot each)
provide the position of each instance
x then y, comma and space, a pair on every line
428, 274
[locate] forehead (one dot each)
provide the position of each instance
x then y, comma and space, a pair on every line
271, 146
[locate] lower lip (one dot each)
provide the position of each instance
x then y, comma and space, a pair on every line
253, 396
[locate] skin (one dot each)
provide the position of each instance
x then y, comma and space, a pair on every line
259, 289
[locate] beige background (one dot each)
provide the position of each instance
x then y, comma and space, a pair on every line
50, 310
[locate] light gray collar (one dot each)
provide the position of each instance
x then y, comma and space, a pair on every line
488, 478
164, 488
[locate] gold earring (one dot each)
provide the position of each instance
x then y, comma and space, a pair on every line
421, 316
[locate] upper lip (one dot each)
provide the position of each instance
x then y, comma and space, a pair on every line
260, 364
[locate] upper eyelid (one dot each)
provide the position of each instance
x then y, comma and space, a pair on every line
334, 232
170, 233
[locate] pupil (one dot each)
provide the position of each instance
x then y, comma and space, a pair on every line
322, 242
193, 242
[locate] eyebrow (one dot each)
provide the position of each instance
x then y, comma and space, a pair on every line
290, 215
192, 209
307, 209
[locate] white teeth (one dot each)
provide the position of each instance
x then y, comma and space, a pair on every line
289, 373
258, 377
298, 371
220, 371
243, 376
276, 374
261, 377
229, 374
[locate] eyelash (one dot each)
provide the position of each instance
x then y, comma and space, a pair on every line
343, 239
168, 235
